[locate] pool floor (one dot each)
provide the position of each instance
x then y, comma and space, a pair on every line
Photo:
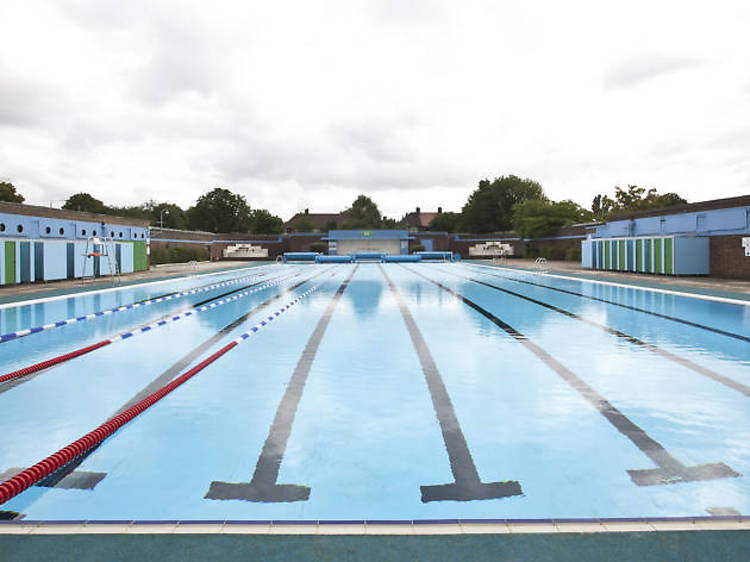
431, 391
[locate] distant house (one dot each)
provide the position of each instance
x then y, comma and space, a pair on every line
313, 222
419, 221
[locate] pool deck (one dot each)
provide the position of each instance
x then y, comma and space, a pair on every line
698, 285
165, 272
417, 527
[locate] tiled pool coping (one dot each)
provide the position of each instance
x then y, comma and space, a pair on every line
376, 527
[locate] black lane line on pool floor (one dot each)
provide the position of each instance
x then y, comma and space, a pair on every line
466, 485
6, 386
613, 303
670, 470
263, 487
708, 373
68, 477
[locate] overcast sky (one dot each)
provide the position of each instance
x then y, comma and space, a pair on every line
307, 104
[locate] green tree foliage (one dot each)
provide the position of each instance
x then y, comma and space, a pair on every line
389, 223
85, 202
264, 222
446, 222
537, 218
8, 193
133, 212
174, 216
601, 206
331, 225
363, 213
490, 207
220, 210
633, 198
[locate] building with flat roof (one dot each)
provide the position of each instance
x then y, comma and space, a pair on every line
46, 244
346, 242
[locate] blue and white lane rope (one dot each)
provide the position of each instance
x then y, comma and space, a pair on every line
129, 334
205, 307
60, 323
270, 318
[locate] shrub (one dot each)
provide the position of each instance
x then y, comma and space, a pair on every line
532, 252
178, 255
320, 247
555, 253
417, 248
573, 254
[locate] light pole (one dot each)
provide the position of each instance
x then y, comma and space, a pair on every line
163, 212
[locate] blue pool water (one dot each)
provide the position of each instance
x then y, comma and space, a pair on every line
419, 391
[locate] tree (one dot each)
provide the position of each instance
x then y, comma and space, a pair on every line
174, 216
537, 218
85, 202
633, 198
363, 213
8, 193
670, 200
132, 211
220, 210
331, 225
264, 222
388, 223
490, 207
601, 206
446, 222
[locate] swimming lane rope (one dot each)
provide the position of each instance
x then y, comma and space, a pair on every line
17, 484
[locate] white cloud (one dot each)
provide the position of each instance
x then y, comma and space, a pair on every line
299, 104
642, 68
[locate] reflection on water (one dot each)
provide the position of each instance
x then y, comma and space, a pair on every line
365, 296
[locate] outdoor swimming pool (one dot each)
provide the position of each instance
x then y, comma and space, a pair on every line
388, 392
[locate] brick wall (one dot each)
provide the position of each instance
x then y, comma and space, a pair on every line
728, 258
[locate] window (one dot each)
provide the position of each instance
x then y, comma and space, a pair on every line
48, 230
112, 234
19, 228
121, 235
93, 232
83, 232
2, 227
142, 235
61, 231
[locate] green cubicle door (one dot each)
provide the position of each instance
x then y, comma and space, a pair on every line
639, 255
10, 263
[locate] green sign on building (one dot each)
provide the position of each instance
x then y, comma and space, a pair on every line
365, 233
